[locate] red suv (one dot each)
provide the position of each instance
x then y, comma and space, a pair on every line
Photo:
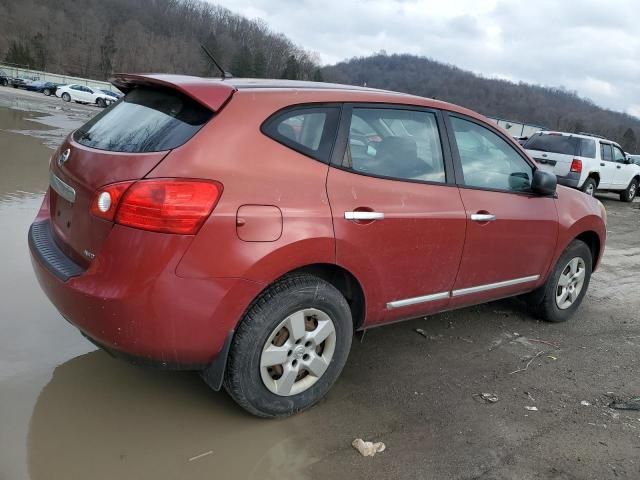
247, 228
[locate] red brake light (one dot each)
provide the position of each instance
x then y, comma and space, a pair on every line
168, 205
576, 166
106, 200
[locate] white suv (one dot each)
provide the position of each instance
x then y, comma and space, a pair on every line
586, 162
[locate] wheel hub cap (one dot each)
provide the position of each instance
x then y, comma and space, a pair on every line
570, 283
297, 352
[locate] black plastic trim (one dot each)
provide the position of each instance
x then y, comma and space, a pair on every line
44, 247
214, 372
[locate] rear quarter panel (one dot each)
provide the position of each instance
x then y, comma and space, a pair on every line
254, 170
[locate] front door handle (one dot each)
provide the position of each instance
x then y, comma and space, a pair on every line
619, 166
602, 164
482, 217
363, 215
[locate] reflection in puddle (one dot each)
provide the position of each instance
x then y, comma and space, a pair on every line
101, 418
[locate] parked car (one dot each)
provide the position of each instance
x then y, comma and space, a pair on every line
116, 96
19, 82
5, 79
634, 158
247, 232
585, 162
48, 88
84, 94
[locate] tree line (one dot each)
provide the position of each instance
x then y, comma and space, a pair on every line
553, 108
95, 38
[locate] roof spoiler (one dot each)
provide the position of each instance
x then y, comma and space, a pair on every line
213, 94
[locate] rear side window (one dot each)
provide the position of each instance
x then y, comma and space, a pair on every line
145, 120
306, 129
605, 150
587, 148
395, 143
553, 143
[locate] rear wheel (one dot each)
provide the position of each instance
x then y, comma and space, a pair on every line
589, 187
4, 82
630, 193
562, 293
290, 347
101, 103
47, 92
66, 97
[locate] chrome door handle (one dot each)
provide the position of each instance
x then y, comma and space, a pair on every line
482, 217
363, 215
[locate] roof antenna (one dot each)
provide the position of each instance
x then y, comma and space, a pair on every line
225, 74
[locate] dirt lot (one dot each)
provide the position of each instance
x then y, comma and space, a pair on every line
70, 412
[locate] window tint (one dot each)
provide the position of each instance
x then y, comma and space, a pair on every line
605, 150
309, 130
553, 143
618, 155
402, 144
587, 148
145, 120
488, 161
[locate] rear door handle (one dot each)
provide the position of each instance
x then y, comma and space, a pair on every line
482, 217
618, 166
602, 164
358, 215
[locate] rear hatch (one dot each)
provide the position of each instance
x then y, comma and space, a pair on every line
122, 143
553, 152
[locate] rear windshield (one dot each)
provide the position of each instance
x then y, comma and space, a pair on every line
553, 143
145, 120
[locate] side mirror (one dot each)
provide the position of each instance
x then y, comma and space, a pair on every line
544, 183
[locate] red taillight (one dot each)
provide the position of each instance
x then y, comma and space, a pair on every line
106, 200
576, 166
163, 205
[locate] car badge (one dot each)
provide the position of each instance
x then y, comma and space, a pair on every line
64, 157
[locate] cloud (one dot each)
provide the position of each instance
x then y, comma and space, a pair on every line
590, 46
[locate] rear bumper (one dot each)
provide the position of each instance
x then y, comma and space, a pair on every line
570, 180
131, 303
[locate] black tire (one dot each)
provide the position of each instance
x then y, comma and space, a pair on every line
47, 92
243, 380
630, 193
590, 186
4, 82
543, 301
66, 97
101, 103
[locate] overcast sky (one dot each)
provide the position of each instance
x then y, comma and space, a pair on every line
589, 46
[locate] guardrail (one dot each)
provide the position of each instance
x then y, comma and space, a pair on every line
30, 74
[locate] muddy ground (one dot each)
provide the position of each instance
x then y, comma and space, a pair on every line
70, 412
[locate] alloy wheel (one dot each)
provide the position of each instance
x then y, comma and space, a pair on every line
570, 283
298, 352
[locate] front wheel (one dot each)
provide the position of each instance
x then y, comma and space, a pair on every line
101, 103
589, 187
66, 97
47, 92
562, 293
630, 193
290, 347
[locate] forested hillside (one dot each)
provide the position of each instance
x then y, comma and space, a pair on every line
554, 108
94, 38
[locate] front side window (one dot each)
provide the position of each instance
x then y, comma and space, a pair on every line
306, 129
605, 150
395, 143
488, 161
618, 155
